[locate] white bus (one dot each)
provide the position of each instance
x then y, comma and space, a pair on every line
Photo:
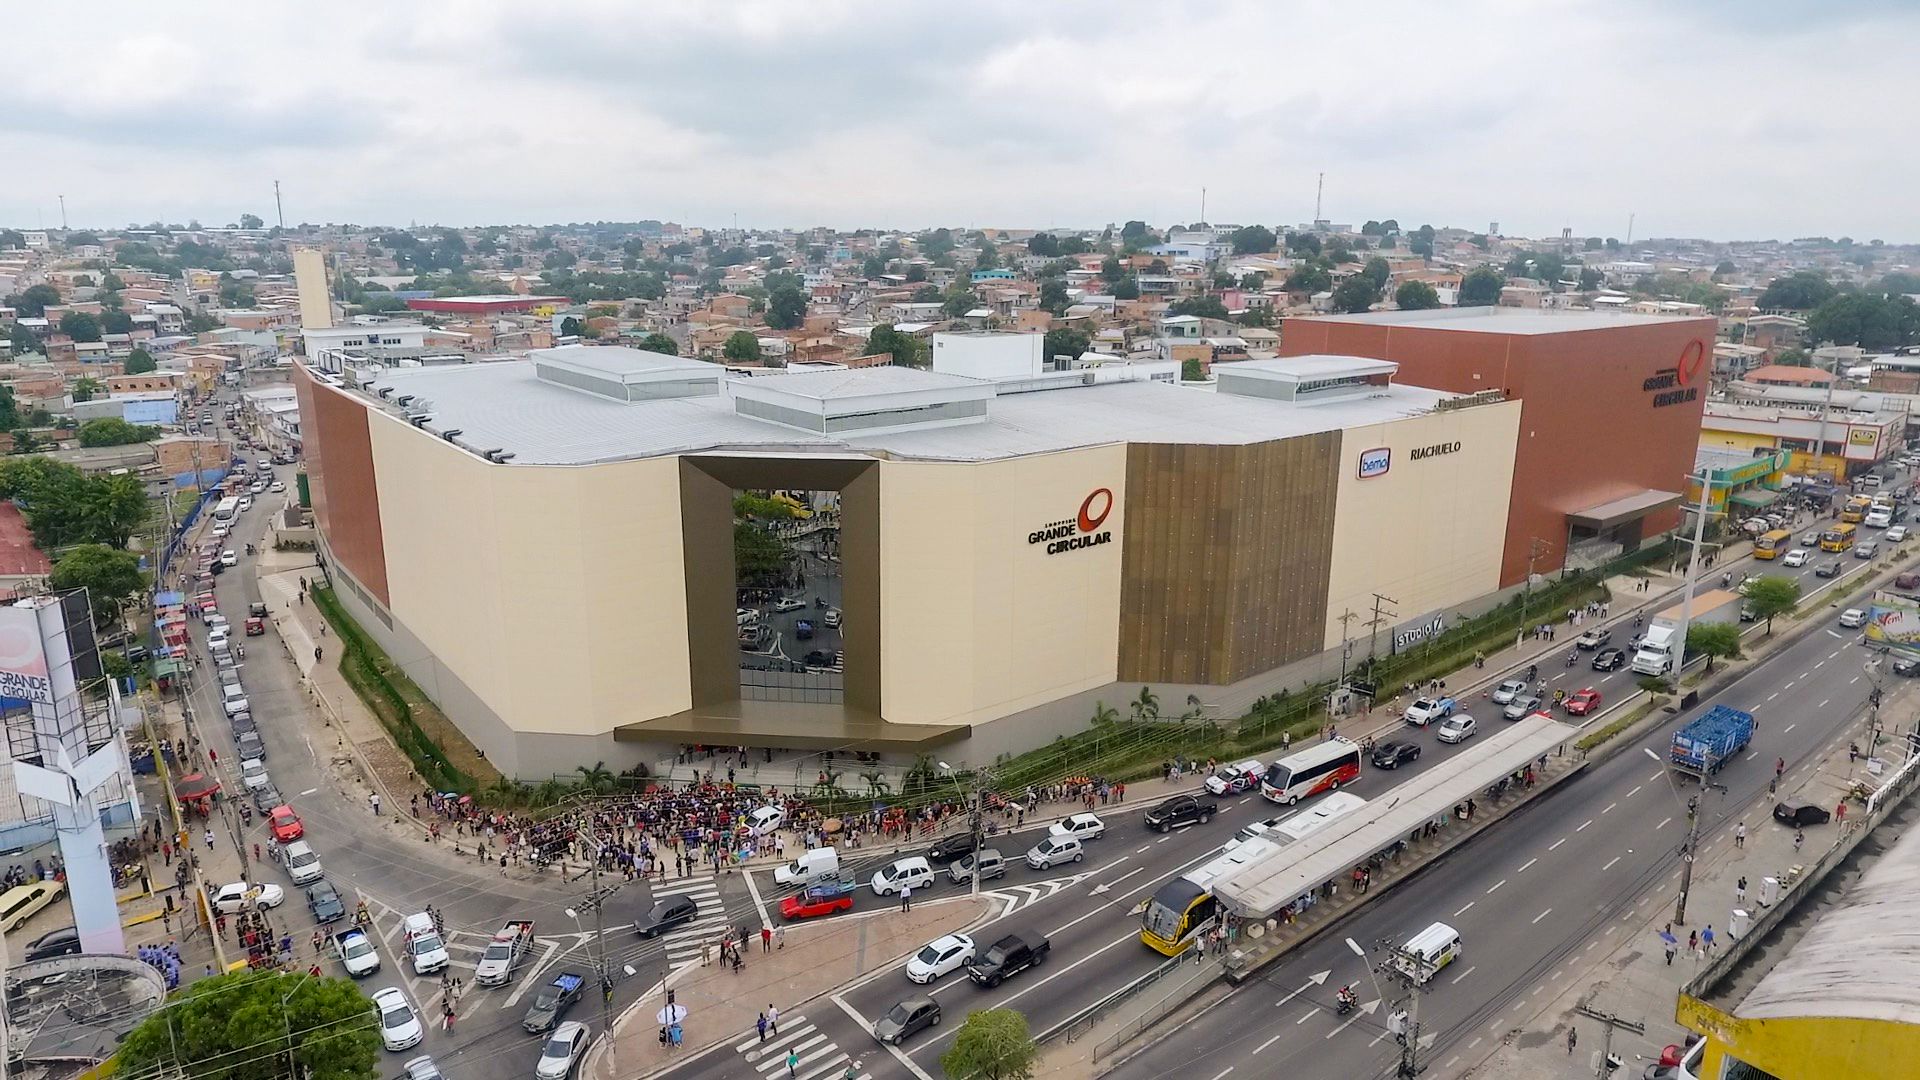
1299, 824
1311, 771
225, 509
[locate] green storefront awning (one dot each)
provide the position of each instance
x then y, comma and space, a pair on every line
1758, 498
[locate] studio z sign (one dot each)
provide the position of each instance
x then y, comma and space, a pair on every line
1679, 384
1083, 530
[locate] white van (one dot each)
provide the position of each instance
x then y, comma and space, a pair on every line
766, 819
817, 863
1429, 951
909, 873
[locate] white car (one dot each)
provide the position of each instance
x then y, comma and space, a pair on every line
767, 819
1507, 691
1797, 557
231, 898
228, 558
1810, 539
400, 1026
253, 774
1426, 710
1081, 827
1853, 617
276, 486
1457, 728
221, 530
1896, 534
788, 603
561, 1052
428, 951
939, 957
303, 863
246, 504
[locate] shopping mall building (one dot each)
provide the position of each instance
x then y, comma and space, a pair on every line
547, 546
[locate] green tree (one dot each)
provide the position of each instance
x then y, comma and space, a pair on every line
1111, 269
1869, 320
1355, 295
1899, 283
251, 221
24, 341
994, 1044
1415, 296
571, 327
236, 294
1309, 277
1126, 290
595, 779
1253, 240
1146, 707
1378, 272
1045, 245
1591, 279
1481, 288
959, 300
741, 347
113, 431
873, 267
1303, 243
116, 322
80, 326
1065, 342
988, 259
660, 343
1132, 230
1773, 594
1803, 291
786, 307
31, 302
139, 362
907, 350
251, 1025
108, 575
1713, 639
85, 387
1191, 370
1724, 268
1207, 307
1053, 295
1793, 358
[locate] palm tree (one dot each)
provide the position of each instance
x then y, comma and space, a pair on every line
830, 785
1146, 707
1104, 717
506, 791
877, 785
596, 780
551, 791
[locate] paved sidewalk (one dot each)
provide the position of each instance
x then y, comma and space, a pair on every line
820, 957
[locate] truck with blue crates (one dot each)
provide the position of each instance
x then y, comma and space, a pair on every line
1710, 739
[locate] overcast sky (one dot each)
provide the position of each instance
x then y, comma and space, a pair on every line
1761, 119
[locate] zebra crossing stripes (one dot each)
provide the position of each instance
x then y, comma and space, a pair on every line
682, 943
1019, 896
820, 1058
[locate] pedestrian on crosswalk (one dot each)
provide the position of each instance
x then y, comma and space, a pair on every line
793, 1063
773, 1018
762, 1025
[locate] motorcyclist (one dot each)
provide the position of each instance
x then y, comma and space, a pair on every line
1533, 672
1347, 998
1573, 658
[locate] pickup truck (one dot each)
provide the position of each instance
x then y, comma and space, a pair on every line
504, 953
1009, 956
1427, 710
552, 1002
1179, 810
356, 952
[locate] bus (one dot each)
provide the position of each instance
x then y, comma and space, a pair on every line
224, 510
1184, 907
1770, 545
1312, 771
1838, 538
1855, 511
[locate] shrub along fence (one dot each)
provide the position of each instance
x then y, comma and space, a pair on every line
387, 691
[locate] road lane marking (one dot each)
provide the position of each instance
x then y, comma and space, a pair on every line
1803, 675
1463, 910
1476, 1041
1789, 686
1264, 1045
1823, 704
1610, 807
1853, 680
1583, 825
1656, 776
1821, 664
1788, 728
1834, 634
306, 793
867, 1025
1529, 862
1635, 791
1753, 755
1501, 882
1557, 843
1359, 1014
1223, 1072
1773, 695
1141, 848
759, 905
1310, 1014
1462, 975
1542, 915
1451, 1062
1663, 823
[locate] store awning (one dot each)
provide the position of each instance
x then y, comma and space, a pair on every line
1757, 498
788, 725
1626, 508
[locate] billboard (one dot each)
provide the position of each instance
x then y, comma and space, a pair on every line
23, 657
1893, 621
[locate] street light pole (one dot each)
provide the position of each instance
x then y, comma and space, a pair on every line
978, 821
1692, 804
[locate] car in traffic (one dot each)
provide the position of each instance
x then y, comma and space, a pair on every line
420, 1068
324, 901
62, 942
1800, 813
256, 626
285, 825
1895, 535
424, 944
1853, 617
1521, 708
1457, 728
1394, 753
230, 898
1593, 639
1179, 810
1426, 710
302, 863
1051, 851
1582, 702
666, 914
1907, 667
228, 558
1866, 551
905, 1018
552, 1001
992, 865
1609, 660
1829, 569
938, 957
562, 1051
1080, 827
1010, 955
265, 797
1810, 538
1797, 557
815, 901
400, 1026
1508, 690
911, 872
1235, 777
948, 848
253, 773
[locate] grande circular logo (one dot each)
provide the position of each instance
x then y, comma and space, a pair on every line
1691, 359
1089, 520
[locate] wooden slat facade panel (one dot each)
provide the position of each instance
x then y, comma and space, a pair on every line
1225, 557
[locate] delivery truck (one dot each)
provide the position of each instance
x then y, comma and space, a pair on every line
1709, 740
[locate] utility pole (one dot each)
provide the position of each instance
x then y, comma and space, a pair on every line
279, 210
1374, 624
1686, 860
1319, 190
63, 213
1536, 547
1404, 1023
1346, 643
1609, 1021
1203, 206
1705, 476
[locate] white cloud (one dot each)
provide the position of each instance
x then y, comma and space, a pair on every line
853, 113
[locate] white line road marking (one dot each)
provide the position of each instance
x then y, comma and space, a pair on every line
1853, 680
1555, 977
306, 793
867, 1025
1583, 825
1496, 885
1663, 823
1163, 839
1822, 663
1591, 944
1464, 974
1789, 685
1773, 695
1788, 728
1451, 1062
1656, 776
1141, 848
1361, 1013
1833, 633
1610, 863
1264, 1045
1823, 704
1463, 910
1610, 807
1753, 755
1310, 1014
1803, 675
759, 905
1223, 1072
1476, 1041
1523, 868
1635, 791
1542, 915
1557, 843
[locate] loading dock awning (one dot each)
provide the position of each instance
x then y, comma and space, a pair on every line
788, 725
1626, 508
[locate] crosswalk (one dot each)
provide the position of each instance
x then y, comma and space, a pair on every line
682, 944
820, 1058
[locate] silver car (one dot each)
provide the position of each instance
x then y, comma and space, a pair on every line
562, 1051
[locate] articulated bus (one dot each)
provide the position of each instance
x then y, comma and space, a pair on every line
1312, 771
1184, 907
1770, 545
1837, 538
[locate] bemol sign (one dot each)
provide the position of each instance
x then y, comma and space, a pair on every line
23, 657
1080, 531
1677, 385
1423, 629
1375, 462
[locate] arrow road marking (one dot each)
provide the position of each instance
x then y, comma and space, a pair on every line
1312, 981
1364, 1010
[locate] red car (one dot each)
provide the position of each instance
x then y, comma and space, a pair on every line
817, 900
285, 824
256, 627
1582, 702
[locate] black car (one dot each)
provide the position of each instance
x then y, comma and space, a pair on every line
1907, 666
1799, 812
257, 610
552, 1002
1393, 754
266, 797
821, 658
243, 724
54, 943
906, 1018
325, 903
1179, 810
1609, 660
1008, 956
1827, 569
948, 848
667, 914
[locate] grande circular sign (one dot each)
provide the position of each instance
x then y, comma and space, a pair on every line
1691, 359
1089, 521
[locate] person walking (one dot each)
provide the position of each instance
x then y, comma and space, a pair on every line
793, 1063
766, 939
906, 896
1798, 836
1740, 890
1740, 835
1573, 1037
773, 1018
373, 800
1706, 940
762, 1025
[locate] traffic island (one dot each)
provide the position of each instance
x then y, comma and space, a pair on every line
722, 1003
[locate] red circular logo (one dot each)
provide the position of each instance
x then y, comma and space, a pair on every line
1691, 359
1090, 521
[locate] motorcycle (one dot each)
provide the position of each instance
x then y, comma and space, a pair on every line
1343, 1005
